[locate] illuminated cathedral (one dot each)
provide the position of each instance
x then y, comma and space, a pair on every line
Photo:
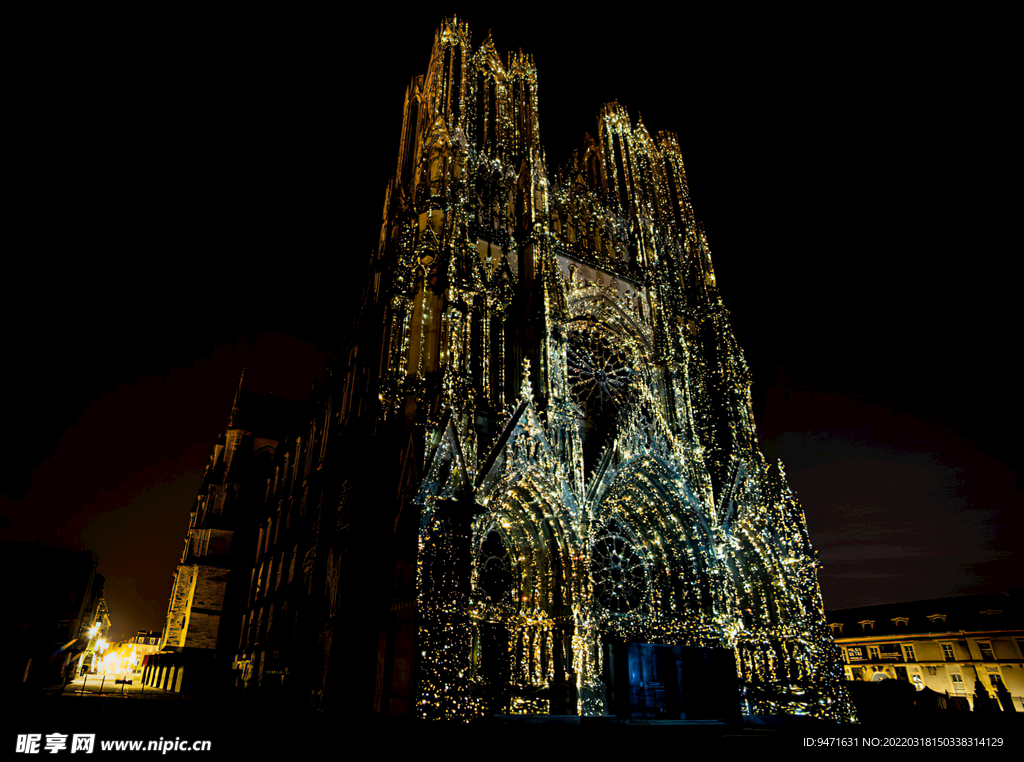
580, 463
531, 482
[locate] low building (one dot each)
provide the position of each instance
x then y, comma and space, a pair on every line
127, 658
134, 650
147, 642
947, 645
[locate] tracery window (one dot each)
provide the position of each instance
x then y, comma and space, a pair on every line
599, 370
617, 570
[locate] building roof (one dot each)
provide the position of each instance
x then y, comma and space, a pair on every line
975, 613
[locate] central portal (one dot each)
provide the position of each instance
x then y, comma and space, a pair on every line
659, 682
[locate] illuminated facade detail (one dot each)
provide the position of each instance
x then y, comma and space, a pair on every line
580, 450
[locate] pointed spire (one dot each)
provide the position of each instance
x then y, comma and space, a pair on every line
641, 130
488, 48
526, 388
233, 418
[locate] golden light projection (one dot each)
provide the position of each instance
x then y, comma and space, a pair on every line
591, 473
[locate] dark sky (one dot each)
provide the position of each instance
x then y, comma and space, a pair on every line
199, 201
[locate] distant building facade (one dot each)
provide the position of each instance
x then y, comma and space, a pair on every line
145, 643
533, 464
948, 645
127, 659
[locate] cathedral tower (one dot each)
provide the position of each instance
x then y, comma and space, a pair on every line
577, 464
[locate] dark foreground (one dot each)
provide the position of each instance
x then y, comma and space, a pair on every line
236, 725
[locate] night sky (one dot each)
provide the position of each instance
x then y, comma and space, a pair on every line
201, 201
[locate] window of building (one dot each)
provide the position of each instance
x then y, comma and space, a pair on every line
908, 653
997, 681
891, 652
986, 652
867, 625
900, 621
857, 673
958, 683
947, 652
873, 653
991, 612
837, 628
933, 618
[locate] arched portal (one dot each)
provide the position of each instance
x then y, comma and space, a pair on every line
651, 557
763, 596
526, 559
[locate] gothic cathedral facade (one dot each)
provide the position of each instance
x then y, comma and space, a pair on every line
578, 464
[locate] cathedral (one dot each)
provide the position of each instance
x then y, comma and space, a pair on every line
583, 463
531, 483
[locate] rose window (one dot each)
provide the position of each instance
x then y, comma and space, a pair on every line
599, 370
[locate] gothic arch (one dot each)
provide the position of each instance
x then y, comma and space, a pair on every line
526, 635
647, 495
596, 304
538, 535
764, 592
761, 595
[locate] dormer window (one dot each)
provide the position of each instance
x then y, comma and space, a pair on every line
867, 625
991, 612
837, 628
934, 618
897, 621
